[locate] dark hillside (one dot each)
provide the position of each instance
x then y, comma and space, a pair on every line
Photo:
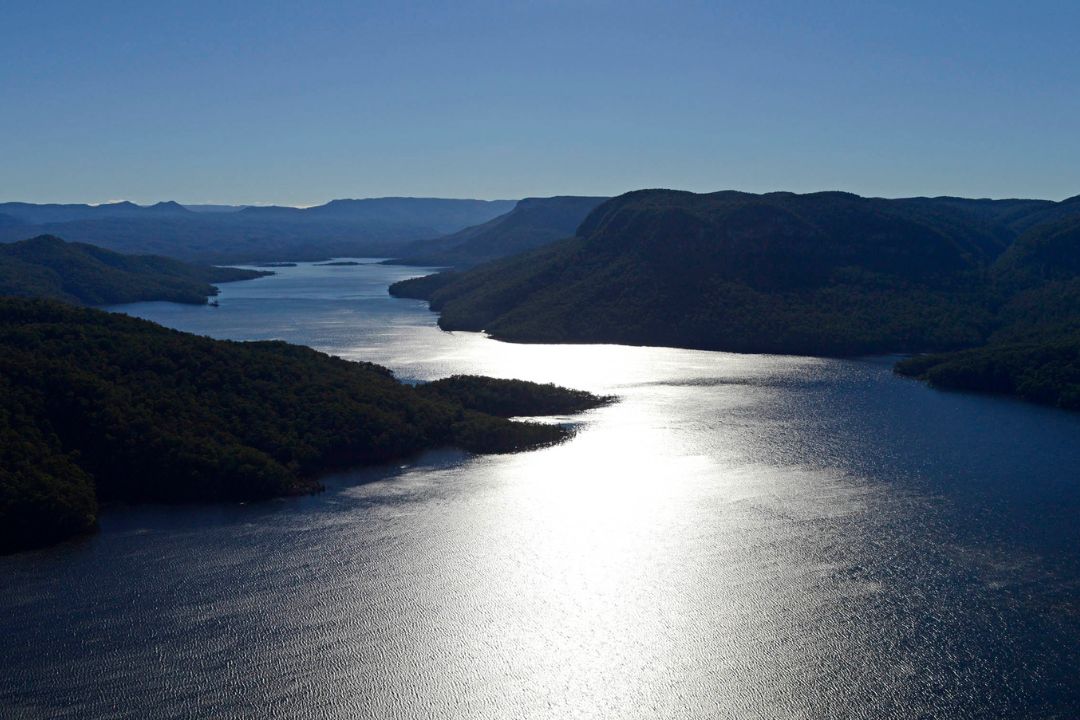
48, 267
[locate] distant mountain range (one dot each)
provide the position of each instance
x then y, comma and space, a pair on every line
32, 214
439, 216
214, 208
48, 267
532, 223
818, 274
373, 227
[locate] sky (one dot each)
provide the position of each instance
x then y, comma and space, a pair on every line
300, 102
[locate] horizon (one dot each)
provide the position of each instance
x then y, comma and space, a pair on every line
242, 104
225, 203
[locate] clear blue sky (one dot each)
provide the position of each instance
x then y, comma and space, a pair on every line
298, 103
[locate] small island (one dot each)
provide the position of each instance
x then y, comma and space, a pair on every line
339, 263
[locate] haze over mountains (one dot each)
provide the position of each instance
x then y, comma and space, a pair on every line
374, 227
532, 223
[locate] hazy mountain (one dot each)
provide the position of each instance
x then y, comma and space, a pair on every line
48, 267
440, 215
40, 214
204, 208
532, 223
823, 273
377, 227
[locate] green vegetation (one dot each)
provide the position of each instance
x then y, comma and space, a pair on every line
97, 407
47, 266
532, 223
1047, 372
819, 274
512, 398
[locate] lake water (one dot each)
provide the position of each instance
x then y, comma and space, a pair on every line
740, 536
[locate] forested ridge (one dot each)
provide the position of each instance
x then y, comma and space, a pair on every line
47, 266
97, 407
829, 274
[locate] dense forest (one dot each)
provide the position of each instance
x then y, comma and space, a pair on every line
512, 398
819, 274
97, 407
1046, 372
374, 227
48, 267
532, 223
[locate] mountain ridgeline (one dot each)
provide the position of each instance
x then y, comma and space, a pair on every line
377, 227
48, 267
96, 406
532, 223
819, 274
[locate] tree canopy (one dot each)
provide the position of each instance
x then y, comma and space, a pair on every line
97, 406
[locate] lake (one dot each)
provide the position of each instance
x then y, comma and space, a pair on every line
741, 536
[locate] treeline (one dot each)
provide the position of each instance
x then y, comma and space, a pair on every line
97, 406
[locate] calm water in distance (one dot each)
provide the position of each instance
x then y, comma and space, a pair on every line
741, 536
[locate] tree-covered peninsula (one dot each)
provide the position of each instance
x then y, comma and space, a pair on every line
96, 407
1045, 372
46, 266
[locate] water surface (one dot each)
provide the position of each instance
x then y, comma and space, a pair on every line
740, 536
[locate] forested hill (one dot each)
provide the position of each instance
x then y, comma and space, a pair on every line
818, 274
374, 227
532, 223
1033, 351
96, 406
48, 267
